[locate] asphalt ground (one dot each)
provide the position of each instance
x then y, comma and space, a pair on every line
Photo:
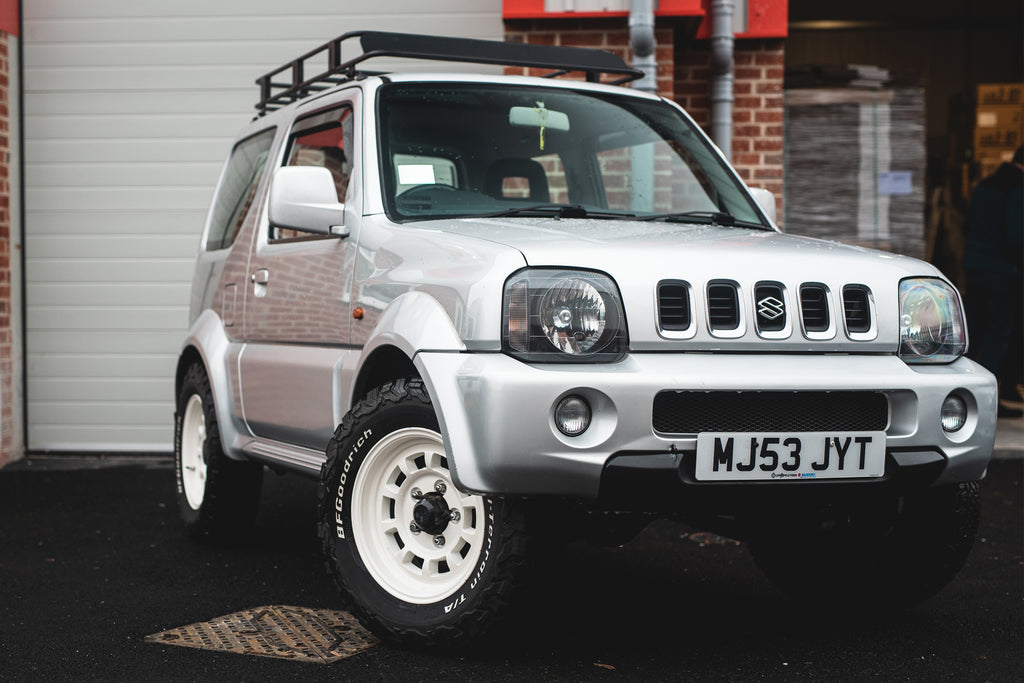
93, 559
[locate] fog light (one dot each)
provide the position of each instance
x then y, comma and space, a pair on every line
954, 413
572, 415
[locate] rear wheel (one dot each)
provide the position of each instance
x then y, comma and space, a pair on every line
892, 554
217, 496
419, 561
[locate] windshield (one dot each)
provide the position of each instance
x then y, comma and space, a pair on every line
454, 150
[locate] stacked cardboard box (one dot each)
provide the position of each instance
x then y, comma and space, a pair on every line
855, 158
998, 124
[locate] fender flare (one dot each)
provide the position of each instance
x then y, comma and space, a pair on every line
208, 340
414, 322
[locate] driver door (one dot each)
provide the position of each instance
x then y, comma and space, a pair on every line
297, 303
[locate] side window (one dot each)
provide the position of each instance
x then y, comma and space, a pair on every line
323, 140
238, 189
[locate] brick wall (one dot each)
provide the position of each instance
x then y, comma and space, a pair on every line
684, 74
600, 34
757, 112
6, 340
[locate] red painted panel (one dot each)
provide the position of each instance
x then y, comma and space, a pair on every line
534, 9
9, 16
765, 19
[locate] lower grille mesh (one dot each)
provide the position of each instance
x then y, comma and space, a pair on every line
692, 412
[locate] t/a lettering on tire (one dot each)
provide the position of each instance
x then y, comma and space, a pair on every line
417, 560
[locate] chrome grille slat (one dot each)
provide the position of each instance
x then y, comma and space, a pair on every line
856, 309
723, 306
814, 306
673, 305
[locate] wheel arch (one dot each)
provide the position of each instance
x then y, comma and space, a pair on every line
413, 323
208, 345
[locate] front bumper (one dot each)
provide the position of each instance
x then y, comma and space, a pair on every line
496, 413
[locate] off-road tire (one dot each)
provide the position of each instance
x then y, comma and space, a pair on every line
888, 555
217, 497
385, 457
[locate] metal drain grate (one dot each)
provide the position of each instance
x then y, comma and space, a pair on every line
298, 633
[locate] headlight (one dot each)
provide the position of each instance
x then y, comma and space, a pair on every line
931, 322
558, 316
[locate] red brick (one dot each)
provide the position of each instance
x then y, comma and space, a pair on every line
748, 73
746, 159
766, 58
769, 116
583, 39
748, 131
768, 144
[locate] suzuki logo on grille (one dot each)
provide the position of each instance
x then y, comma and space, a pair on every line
770, 308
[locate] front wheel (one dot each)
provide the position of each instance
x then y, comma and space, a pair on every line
419, 561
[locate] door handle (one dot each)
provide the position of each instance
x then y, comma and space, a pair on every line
261, 276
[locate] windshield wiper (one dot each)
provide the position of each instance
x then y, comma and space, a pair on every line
556, 211
722, 218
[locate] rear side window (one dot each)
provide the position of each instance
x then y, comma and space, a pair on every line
238, 189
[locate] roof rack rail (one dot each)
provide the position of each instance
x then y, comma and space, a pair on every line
563, 60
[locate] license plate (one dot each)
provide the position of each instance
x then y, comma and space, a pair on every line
742, 456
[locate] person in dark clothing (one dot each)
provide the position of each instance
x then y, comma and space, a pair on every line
993, 263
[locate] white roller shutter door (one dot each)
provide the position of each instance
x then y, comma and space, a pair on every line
130, 109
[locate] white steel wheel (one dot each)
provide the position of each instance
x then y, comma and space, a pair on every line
193, 461
419, 537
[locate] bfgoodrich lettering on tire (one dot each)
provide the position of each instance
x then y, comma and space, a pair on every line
217, 496
419, 561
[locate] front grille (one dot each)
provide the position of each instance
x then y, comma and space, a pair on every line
814, 304
855, 307
723, 306
673, 305
692, 412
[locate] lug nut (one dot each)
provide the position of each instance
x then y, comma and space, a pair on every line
414, 527
416, 494
438, 541
455, 515
440, 487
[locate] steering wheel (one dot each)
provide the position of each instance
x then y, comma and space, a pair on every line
414, 192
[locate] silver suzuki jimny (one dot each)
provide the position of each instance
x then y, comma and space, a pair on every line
485, 310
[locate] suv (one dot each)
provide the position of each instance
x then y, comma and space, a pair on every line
487, 310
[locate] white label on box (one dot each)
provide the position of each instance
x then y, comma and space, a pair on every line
987, 119
895, 182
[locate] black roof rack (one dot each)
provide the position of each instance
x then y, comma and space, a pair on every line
563, 60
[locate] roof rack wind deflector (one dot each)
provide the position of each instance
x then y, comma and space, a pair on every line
562, 60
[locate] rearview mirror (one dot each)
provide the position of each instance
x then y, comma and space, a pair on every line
304, 198
538, 117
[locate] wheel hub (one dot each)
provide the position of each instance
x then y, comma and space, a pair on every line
431, 513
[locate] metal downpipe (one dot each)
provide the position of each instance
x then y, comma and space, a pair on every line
642, 43
721, 74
